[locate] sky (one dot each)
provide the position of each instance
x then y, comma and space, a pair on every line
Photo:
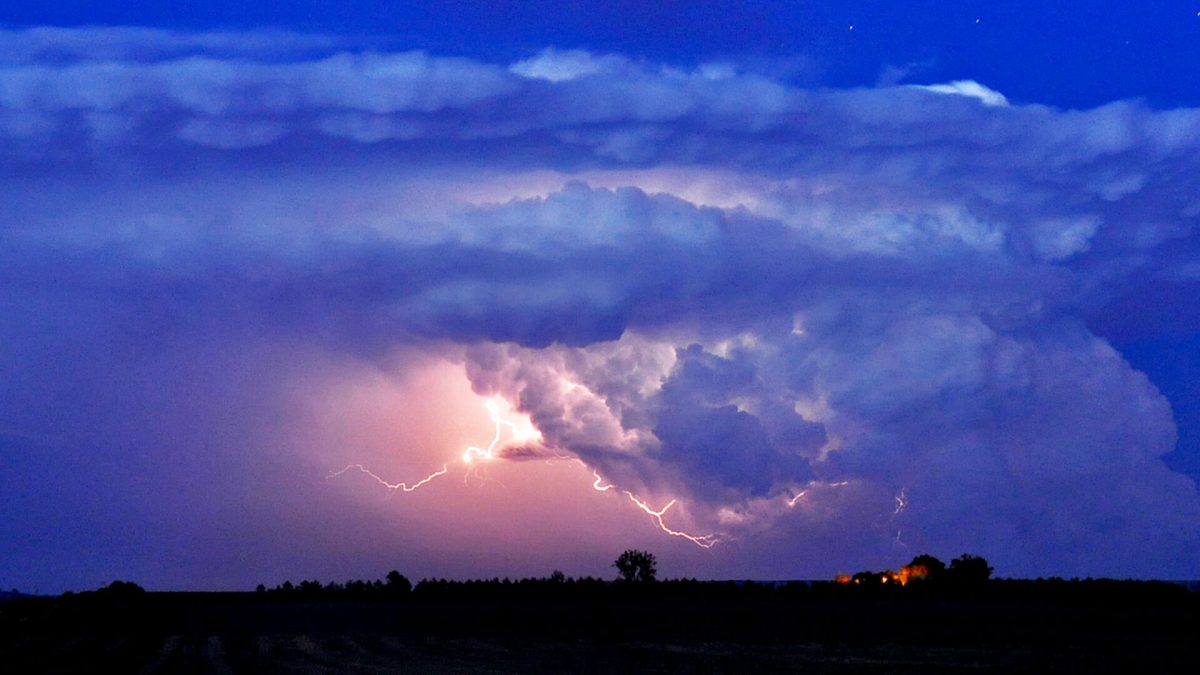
773, 292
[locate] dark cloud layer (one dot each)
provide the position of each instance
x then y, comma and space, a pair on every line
851, 293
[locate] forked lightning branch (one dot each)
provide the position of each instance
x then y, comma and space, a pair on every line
474, 455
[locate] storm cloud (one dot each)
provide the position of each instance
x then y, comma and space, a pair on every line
782, 306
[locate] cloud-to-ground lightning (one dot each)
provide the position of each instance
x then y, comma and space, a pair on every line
474, 454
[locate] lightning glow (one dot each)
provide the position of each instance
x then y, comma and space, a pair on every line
518, 433
473, 453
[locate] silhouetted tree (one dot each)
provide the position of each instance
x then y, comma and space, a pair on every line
934, 565
926, 567
558, 577
398, 583
634, 565
969, 569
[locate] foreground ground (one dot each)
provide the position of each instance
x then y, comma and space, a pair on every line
1005, 627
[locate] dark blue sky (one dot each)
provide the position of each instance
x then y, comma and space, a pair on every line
1075, 54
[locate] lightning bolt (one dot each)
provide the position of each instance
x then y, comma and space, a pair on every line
475, 454
702, 540
487, 454
470, 456
597, 485
795, 499
391, 486
901, 504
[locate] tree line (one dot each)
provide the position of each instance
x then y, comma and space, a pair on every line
637, 575
965, 570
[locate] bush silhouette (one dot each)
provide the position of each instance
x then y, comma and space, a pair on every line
933, 568
122, 589
969, 570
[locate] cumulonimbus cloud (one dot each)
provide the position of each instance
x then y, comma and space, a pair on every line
906, 291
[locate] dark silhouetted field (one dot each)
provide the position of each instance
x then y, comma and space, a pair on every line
591, 626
